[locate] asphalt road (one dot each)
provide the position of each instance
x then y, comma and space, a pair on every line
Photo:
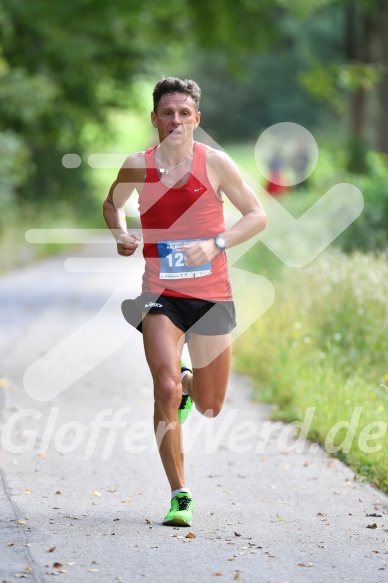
82, 490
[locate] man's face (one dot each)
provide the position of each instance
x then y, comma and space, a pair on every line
176, 118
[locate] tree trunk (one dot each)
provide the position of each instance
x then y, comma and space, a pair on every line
358, 37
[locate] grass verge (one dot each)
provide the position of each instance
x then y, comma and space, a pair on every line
322, 344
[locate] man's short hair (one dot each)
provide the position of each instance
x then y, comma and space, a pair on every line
169, 85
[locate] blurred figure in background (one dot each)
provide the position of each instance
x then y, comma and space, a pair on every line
276, 184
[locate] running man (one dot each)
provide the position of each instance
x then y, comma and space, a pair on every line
186, 292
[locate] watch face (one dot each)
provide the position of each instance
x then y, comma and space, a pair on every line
220, 242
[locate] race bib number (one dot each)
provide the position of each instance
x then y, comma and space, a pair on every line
172, 261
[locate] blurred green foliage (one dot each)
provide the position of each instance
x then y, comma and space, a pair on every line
256, 99
265, 88
62, 65
65, 68
369, 232
13, 167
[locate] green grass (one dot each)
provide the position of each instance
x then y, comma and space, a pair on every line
323, 344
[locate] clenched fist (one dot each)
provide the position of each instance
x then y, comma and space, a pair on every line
200, 252
127, 244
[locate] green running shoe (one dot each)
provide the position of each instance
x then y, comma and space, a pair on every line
186, 402
180, 514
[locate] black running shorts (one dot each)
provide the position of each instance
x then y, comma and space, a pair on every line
190, 315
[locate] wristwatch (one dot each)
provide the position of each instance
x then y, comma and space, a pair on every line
220, 242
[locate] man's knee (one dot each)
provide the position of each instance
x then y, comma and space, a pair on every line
167, 390
209, 408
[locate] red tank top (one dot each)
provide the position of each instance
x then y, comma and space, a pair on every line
171, 216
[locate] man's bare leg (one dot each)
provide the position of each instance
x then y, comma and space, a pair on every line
162, 345
210, 356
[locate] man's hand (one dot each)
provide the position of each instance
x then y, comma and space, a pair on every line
200, 252
127, 244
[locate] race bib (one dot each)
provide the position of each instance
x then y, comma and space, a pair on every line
172, 261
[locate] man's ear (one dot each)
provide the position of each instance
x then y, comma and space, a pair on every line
153, 119
197, 118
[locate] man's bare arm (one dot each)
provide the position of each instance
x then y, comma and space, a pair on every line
224, 172
253, 219
129, 177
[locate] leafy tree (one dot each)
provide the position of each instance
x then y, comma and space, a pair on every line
359, 72
267, 90
62, 65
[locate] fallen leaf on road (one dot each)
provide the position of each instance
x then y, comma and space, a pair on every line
95, 493
52, 549
237, 577
21, 576
374, 525
20, 521
112, 489
374, 515
237, 533
305, 564
58, 492
3, 382
57, 565
72, 517
321, 514
190, 535
217, 574
93, 570
232, 559
280, 519
27, 492
29, 568
148, 521
126, 501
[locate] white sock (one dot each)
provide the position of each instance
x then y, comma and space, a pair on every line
175, 492
183, 374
